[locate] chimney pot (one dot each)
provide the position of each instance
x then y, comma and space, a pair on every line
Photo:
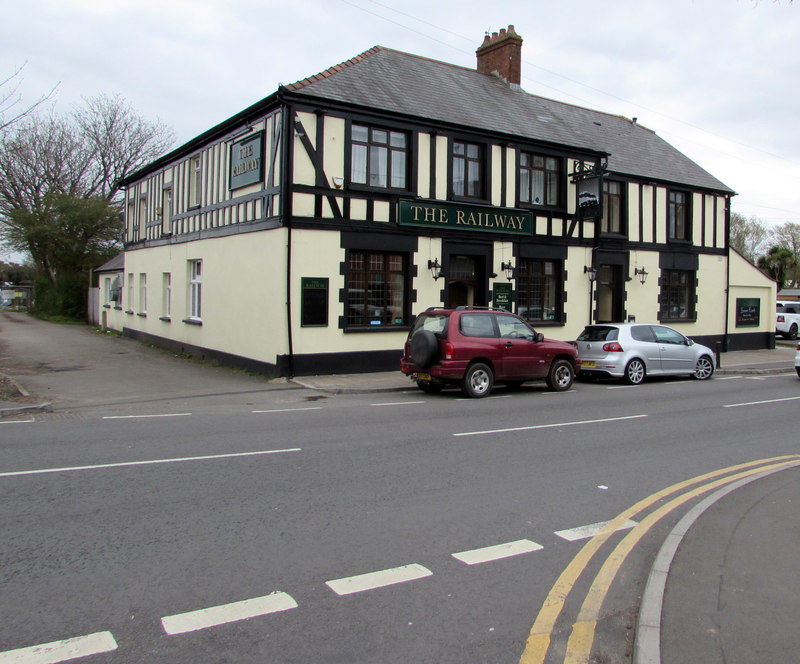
501, 54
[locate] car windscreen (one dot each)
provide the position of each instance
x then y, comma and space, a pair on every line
599, 333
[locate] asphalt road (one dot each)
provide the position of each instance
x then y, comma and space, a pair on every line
152, 532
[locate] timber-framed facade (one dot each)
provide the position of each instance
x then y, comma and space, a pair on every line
303, 235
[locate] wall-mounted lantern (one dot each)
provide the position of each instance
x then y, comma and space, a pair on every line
435, 268
508, 268
591, 271
641, 273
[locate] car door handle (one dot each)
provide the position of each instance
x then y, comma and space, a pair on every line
508, 344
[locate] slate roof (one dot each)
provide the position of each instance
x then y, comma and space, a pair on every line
398, 82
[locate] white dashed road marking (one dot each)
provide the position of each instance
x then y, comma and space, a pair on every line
373, 580
61, 651
227, 613
497, 552
585, 532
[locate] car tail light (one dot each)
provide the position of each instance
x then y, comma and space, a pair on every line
781, 319
612, 347
449, 351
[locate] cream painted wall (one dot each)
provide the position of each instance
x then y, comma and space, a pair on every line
748, 281
303, 167
240, 316
423, 165
642, 299
632, 197
441, 167
334, 153
428, 290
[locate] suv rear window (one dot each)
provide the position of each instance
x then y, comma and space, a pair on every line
436, 323
599, 333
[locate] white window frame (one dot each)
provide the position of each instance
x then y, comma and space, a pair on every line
195, 289
143, 293
166, 295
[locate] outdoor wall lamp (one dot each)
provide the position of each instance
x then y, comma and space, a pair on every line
641, 273
591, 271
435, 268
508, 268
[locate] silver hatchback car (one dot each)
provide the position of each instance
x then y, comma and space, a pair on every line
632, 351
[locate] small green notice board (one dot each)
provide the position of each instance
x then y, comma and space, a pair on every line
502, 296
314, 301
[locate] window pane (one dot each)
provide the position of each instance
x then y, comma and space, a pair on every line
525, 186
458, 148
474, 178
538, 188
360, 133
377, 166
398, 169
358, 168
379, 136
398, 140
473, 151
458, 177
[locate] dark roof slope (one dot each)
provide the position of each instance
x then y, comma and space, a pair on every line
399, 82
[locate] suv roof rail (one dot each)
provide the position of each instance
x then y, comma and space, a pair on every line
474, 308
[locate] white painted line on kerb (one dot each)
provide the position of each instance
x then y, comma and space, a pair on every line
497, 552
17, 421
585, 532
227, 613
550, 426
373, 580
210, 457
398, 403
143, 417
61, 651
759, 403
288, 410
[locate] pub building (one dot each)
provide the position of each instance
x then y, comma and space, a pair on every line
302, 235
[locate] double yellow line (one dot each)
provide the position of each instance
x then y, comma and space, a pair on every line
579, 646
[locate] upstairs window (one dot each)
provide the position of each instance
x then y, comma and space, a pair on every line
539, 179
379, 157
678, 219
613, 221
468, 170
195, 181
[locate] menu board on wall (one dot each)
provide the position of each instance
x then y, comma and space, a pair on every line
314, 301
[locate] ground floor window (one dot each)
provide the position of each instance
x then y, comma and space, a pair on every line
166, 294
677, 295
195, 289
376, 289
538, 289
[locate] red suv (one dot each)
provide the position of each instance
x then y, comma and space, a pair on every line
474, 347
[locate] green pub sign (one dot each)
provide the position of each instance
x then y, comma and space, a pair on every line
247, 164
465, 218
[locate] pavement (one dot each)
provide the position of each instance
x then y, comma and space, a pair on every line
716, 593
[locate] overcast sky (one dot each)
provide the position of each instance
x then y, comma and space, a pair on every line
718, 79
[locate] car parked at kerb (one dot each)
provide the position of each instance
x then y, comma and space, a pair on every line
476, 347
632, 351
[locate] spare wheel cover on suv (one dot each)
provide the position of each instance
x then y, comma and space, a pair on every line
424, 348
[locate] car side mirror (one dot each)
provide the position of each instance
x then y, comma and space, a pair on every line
689, 342
539, 337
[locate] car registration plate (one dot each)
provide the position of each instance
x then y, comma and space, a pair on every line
423, 376
588, 363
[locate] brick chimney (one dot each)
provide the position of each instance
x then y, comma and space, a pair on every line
501, 54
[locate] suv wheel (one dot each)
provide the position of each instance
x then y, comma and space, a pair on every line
561, 376
424, 349
792, 332
634, 371
477, 381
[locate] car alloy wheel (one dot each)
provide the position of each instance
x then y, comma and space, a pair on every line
704, 368
477, 381
634, 372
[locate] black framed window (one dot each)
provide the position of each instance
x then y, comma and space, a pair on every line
678, 216
376, 289
378, 157
468, 170
613, 217
540, 179
539, 289
677, 295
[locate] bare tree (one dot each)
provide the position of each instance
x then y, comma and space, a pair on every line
748, 236
788, 235
12, 108
120, 140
